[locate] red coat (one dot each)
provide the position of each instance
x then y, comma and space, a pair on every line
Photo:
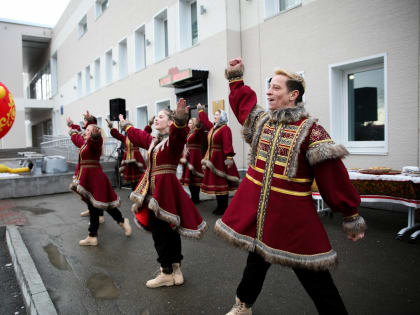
159, 189
132, 164
218, 179
272, 212
90, 182
192, 173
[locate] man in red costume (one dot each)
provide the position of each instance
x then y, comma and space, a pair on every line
272, 214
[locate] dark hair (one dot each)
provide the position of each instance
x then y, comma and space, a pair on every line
293, 85
169, 112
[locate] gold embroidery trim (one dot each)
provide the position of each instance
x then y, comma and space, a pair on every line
281, 190
297, 180
321, 141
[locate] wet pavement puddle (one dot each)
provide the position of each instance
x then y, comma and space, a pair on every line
102, 287
56, 258
34, 210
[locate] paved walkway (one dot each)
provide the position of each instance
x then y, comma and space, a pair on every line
379, 275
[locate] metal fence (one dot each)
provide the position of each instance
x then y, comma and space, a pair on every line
62, 145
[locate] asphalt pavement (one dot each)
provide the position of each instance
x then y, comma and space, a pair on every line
378, 275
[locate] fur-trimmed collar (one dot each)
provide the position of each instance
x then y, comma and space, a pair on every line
288, 114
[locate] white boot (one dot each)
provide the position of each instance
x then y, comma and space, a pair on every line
126, 227
84, 213
101, 219
89, 241
161, 280
239, 308
177, 273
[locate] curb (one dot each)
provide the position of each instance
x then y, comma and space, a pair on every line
35, 295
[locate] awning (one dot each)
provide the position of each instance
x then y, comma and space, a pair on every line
183, 78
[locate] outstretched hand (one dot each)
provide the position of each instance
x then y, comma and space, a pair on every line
200, 107
181, 107
87, 115
69, 121
110, 125
121, 117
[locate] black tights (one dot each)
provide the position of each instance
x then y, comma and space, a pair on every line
94, 214
318, 284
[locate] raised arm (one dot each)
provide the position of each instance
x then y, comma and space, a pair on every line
204, 118
242, 98
74, 133
138, 137
179, 130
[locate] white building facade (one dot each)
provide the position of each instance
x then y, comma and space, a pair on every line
360, 60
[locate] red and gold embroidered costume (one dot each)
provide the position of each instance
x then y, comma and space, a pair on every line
192, 173
272, 212
90, 182
159, 189
218, 178
132, 164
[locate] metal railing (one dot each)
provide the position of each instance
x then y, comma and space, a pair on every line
62, 145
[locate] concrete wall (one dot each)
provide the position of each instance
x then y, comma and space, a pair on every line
11, 74
318, 34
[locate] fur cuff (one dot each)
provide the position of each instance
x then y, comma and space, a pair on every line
73, 131
125, 124
228, 163
183, 160
234, 74
180, 119
326, 151
354, 225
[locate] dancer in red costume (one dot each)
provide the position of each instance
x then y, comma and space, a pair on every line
160, 202
88, 119
272, 214
92, 184
191, 160
132, 164
220, 172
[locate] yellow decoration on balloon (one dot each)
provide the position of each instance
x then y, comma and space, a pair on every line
2, 92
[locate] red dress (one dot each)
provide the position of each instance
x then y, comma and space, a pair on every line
159, 189
132, 164
192, 173
90, 182
272, 212
218, 179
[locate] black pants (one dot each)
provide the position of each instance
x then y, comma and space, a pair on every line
222, 204
94, 214
195, 193
133, 186
318, 284
167, 243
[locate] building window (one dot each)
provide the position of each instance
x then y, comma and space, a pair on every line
79, 84
97, 70
40, 86
140, 48
109, 63
274, 7
161, 35
359, 111
162, 105
188, 23
87, 79
82, 26
122, 59
101, 6
142, 116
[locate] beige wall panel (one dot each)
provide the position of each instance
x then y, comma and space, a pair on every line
312, 37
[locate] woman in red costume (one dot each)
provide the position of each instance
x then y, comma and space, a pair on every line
160, 202
92, 184
220, 172
191, 161
132, 164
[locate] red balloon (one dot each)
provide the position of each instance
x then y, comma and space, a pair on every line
7, 110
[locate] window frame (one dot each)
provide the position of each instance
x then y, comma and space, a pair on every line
137, 117
82, 26
99, 9
339, 104
159, 39
275, 8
